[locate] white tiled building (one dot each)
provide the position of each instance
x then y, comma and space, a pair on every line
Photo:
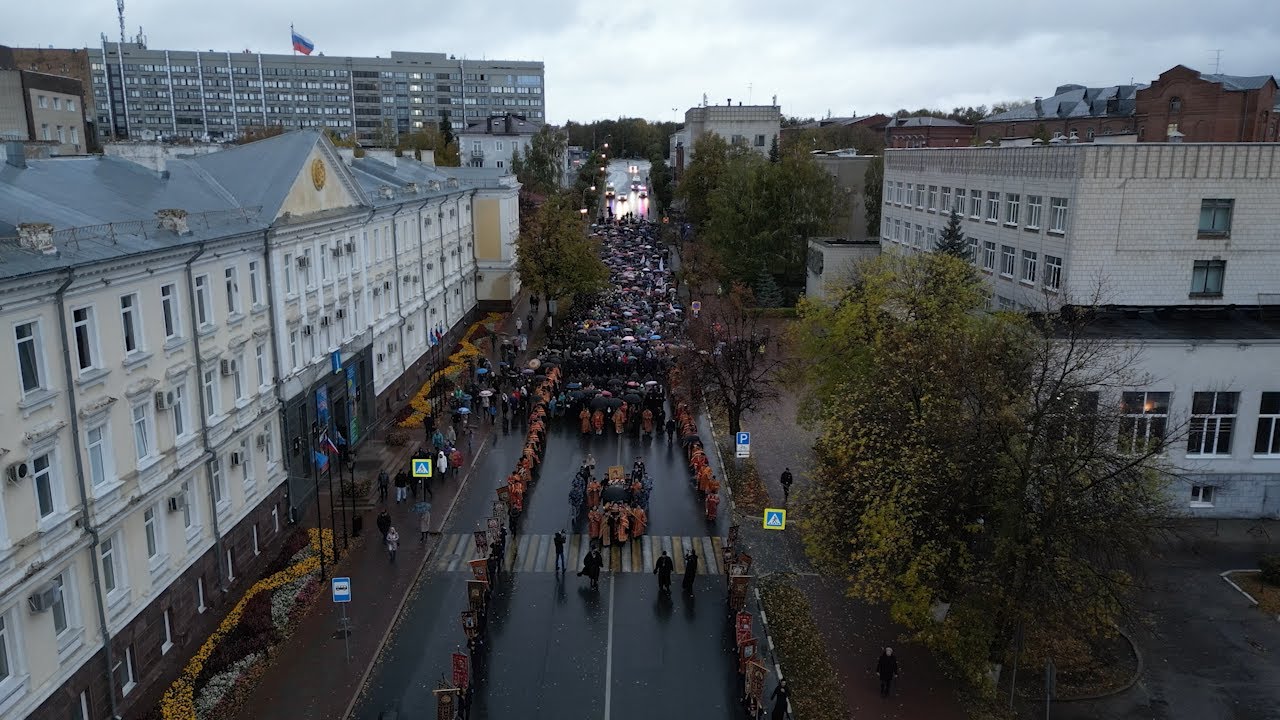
1176, 237
162, 320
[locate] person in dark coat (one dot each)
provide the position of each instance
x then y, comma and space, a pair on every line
384, 523
887, 669
384, 483
591, 565
786, 484
690, 570
663, 569
559, 541
671, 429
780, 696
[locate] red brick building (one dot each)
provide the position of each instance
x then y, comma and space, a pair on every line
1077, 110
927, 132
1204, 107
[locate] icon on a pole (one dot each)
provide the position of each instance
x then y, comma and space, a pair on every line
341, 589
775, 519
421, 468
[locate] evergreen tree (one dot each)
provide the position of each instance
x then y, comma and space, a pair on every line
952, 240
872, 194
773, 150
768, 294
446, 129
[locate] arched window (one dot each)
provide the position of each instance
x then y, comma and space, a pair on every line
1089, 134
1175, 104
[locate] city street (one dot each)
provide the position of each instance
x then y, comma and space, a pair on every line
628, 200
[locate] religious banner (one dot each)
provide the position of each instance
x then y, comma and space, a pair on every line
755, 685
743, 626
480, 569
738, 591
460, 665
475, 594
482, 542
747, 652
504, 494
494, 523
469, 623
733, 537
446, 703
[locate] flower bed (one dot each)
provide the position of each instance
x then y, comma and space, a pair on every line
815, 689
420, 404
224, 670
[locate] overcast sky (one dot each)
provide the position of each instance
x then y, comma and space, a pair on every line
643, 58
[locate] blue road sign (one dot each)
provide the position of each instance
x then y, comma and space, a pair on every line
744, 438
421, 468
743, 445
775, 519
341, 589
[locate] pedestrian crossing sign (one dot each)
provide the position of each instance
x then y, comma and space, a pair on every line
421, 468
775, 519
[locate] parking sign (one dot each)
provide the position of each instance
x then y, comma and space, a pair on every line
743, 443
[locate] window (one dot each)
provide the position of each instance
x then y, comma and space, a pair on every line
324, 263
61, 622
1007, 260
958, 204
306, 268
1267, 441
945, 203
760, 141
43, 101
71, 107
1215, 218
42, 478
1052, 272
919, 196
131, 321
975, 204
1057, 215
211, 394
86, 338
204, 303
1213, 417
1202, 495
260, 359
143, 432
930, 238
110, 575
255, 284
993, 207
57, 103
293, 349
128, 678
1175, 104
219, 481
98, 449
988, 255
169, 309
237, 378
167, 645
919, 236
6, 670
200, 606
1028, 267
1034, 203
232, 282
1146, 415
1012, 208
933, 198
149, 526
31, 370
1206, 278
288, 274
180, 419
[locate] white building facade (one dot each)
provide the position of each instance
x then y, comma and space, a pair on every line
179, 335
1177, 238
493, 142
752, 126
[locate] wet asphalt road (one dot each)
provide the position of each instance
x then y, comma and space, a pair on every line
557, 649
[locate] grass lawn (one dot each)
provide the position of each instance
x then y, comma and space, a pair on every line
815, 690
1268, 596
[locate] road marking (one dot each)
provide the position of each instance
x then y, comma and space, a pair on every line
608, 649
536, 553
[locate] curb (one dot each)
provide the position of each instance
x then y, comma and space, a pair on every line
768, 636
1225, 575
1137, 674
417, 577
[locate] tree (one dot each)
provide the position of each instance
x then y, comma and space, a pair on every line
773, 150
768, 294
660, 181
542, 167
873, 194
710, 153
967, 475
517, 165
387, 135
727, 356
952, 240
446, 129
555, 257
253, 133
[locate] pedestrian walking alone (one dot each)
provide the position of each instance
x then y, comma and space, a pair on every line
591, 565
393, 543
786, 484
384, 482
383, 522
402, 486
663, 569
424, 526
780, 696
887, 669
690, 570
559, 540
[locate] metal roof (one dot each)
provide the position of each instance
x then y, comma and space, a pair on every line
1237, 83
1076, 101
923, 121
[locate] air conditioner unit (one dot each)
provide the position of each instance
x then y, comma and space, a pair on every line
229, 367
340, 313
18, 472
302, 261
45, 598
350, 247
177, 502
237, 459
337, 251
165, 400
324, 321
306, 329
261, 441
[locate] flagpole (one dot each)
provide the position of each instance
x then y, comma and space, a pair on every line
295, 47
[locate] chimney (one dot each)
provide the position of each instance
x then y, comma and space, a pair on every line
36, 236
386, 192
1039, 107
411, 188
174, 220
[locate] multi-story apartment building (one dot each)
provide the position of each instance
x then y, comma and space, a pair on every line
43, 108
180, 332
140, 93
492, 143
1177, 238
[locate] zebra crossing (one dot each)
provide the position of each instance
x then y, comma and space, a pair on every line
537, 553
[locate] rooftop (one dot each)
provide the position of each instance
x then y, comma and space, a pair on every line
925, 121
1237, 83
503, 125
1076, 101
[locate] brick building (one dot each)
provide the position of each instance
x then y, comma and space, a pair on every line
927, 132
1072, 110
1204, 107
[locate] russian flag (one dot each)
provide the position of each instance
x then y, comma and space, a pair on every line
300, 43
327, 445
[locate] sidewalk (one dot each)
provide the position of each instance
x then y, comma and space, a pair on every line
310, 677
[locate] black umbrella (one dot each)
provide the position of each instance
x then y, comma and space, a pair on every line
632, 398
600, 403
614, 402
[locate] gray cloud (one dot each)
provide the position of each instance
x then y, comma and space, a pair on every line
643, 58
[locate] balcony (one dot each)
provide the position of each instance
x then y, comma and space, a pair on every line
477, 154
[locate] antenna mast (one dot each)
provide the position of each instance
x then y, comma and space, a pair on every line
1217, 60
120, 12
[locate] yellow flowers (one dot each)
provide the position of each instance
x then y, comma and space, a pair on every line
457, 363
179, 700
